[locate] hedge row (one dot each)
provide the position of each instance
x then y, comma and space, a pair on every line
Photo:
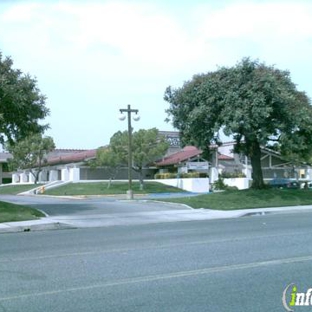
180, 175
229, 175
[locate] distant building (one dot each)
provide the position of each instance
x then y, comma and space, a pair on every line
5, 174
272, 163
173, 138
73, 165
186, 160
61, 164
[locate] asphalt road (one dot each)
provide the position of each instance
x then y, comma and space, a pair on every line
106, 211
239, 264
55, 206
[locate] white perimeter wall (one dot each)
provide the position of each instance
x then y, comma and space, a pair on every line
199, 185
240, 183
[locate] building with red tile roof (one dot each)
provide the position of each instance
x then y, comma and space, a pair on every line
73, 165
189, 159
225, 157
58, 157
187, 153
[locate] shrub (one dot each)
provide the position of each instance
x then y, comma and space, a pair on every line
189, 175
230, 175
220, 185
7, 180
168, 175
194, 175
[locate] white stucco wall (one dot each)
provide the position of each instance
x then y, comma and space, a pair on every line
15, 178
43, 176
53, 175
74, 174
199, 185
31, 178
65, 174
214, 174
240, 183
23, 177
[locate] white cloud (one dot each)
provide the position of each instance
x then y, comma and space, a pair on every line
261, 20
139, 33
144, 33
108, 54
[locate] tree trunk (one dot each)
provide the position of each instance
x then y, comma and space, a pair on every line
141, 179
109, 183
35, 175
255, 158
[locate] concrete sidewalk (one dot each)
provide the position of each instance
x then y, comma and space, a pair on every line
32, 225
135, 218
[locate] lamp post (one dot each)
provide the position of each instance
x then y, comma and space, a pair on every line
122, 117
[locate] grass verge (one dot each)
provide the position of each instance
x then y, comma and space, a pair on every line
16, 189
11, 212
101, 188
244, 199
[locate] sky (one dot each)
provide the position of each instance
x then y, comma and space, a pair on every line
92, 58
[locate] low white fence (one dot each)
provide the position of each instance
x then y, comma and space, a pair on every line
240, 183
195, 185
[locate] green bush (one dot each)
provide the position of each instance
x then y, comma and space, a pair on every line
230, 175
7, 180
189, 175
169, 175
220, 185
194, 175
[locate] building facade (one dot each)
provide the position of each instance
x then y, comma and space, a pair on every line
5, 174
74, 165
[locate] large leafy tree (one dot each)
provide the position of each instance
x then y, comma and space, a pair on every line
30, 153
257, 104
111, 161
147, 146
22, 105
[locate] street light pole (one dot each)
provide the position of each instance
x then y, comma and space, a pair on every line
128, 110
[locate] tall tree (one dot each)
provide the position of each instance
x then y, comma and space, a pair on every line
107, 158
147, 146
21, 103
257, 104
30, 153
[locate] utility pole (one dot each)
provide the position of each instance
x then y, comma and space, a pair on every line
128, 110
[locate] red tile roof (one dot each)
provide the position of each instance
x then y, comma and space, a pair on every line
183, 155
72, 157
225, 157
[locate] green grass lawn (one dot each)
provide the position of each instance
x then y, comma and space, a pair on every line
244, 199
10, 212
228, 200
16, 189
101, 188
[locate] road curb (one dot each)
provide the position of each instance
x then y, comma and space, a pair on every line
29, 226
200, 214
